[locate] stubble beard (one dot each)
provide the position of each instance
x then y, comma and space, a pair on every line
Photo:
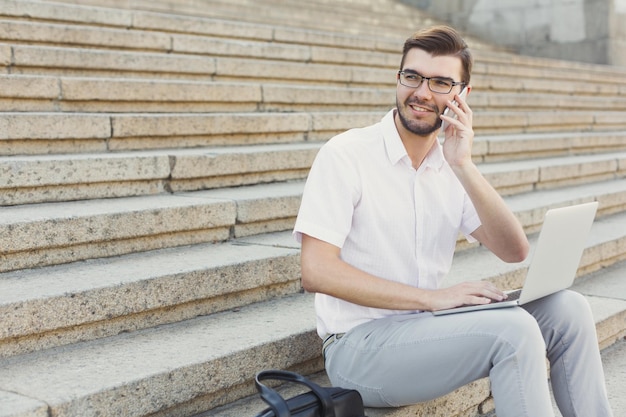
415, 126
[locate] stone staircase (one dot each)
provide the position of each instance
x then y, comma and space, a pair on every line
152, 158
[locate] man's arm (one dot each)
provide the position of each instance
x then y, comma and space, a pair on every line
325, 272
500, 231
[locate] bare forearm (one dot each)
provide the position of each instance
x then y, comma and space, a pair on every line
323, 271
335, 277
501, 232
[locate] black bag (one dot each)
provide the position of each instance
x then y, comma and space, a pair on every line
319, 402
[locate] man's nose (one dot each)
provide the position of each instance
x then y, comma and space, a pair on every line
423, 90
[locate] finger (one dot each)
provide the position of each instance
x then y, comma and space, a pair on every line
479, 300
463, 108
495, 294
454, 107
461, 119
489, 290
452, 121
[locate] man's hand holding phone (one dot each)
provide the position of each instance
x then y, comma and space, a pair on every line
450, 113
457, 145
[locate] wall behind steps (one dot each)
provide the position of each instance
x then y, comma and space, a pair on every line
579, 30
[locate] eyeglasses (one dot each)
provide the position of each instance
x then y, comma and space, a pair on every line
437, 85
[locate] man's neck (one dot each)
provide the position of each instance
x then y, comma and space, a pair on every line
417, 146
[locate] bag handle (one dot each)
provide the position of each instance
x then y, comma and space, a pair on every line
278, 404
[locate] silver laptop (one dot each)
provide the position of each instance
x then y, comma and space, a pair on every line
555, 260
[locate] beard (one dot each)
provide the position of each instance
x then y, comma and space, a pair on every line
416, 126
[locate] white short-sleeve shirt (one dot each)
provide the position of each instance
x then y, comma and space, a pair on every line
390, 220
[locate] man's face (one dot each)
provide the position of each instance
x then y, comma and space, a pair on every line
419, 108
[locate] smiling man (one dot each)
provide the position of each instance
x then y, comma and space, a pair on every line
380, 215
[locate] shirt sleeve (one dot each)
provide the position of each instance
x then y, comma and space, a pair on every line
330, 195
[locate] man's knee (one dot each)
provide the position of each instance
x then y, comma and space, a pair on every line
570, 302
522, 334
563, 311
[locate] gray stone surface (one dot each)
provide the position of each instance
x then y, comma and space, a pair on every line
82, 301
59, 12
614, 361
142, 372
28, 227
110, 227
25, 126
14, 405
84, 35
109, 62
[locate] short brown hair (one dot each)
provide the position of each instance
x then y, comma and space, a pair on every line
441, 40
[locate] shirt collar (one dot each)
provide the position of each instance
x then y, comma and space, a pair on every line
396, 150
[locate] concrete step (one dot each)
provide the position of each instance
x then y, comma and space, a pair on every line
48, 234
615, 365
608, 193
19, 31
60, 305
204, 359
53, 132
499, 122
303, 64
483, 99
494, 148
521, 73
143, 31
343, 17
39, 133
544, 173
32, 179
113, 95
490, 62
55, 34
206, 362
114, 16
55, 233
50, 178
399, 18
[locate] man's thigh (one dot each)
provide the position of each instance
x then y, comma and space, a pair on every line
417, 357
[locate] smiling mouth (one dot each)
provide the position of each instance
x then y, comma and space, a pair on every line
420, 108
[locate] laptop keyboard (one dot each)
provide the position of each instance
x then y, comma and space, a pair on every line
512, 296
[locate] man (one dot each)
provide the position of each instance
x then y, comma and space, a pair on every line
380, 215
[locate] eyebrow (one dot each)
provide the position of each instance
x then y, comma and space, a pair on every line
410, 71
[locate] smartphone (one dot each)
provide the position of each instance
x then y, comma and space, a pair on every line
444, 124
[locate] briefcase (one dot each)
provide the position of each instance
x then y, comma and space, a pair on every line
318, 402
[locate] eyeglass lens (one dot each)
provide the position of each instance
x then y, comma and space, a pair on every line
436, 85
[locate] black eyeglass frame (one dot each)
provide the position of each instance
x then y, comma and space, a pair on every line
452, 82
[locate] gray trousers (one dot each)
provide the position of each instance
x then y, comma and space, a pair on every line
412, 358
